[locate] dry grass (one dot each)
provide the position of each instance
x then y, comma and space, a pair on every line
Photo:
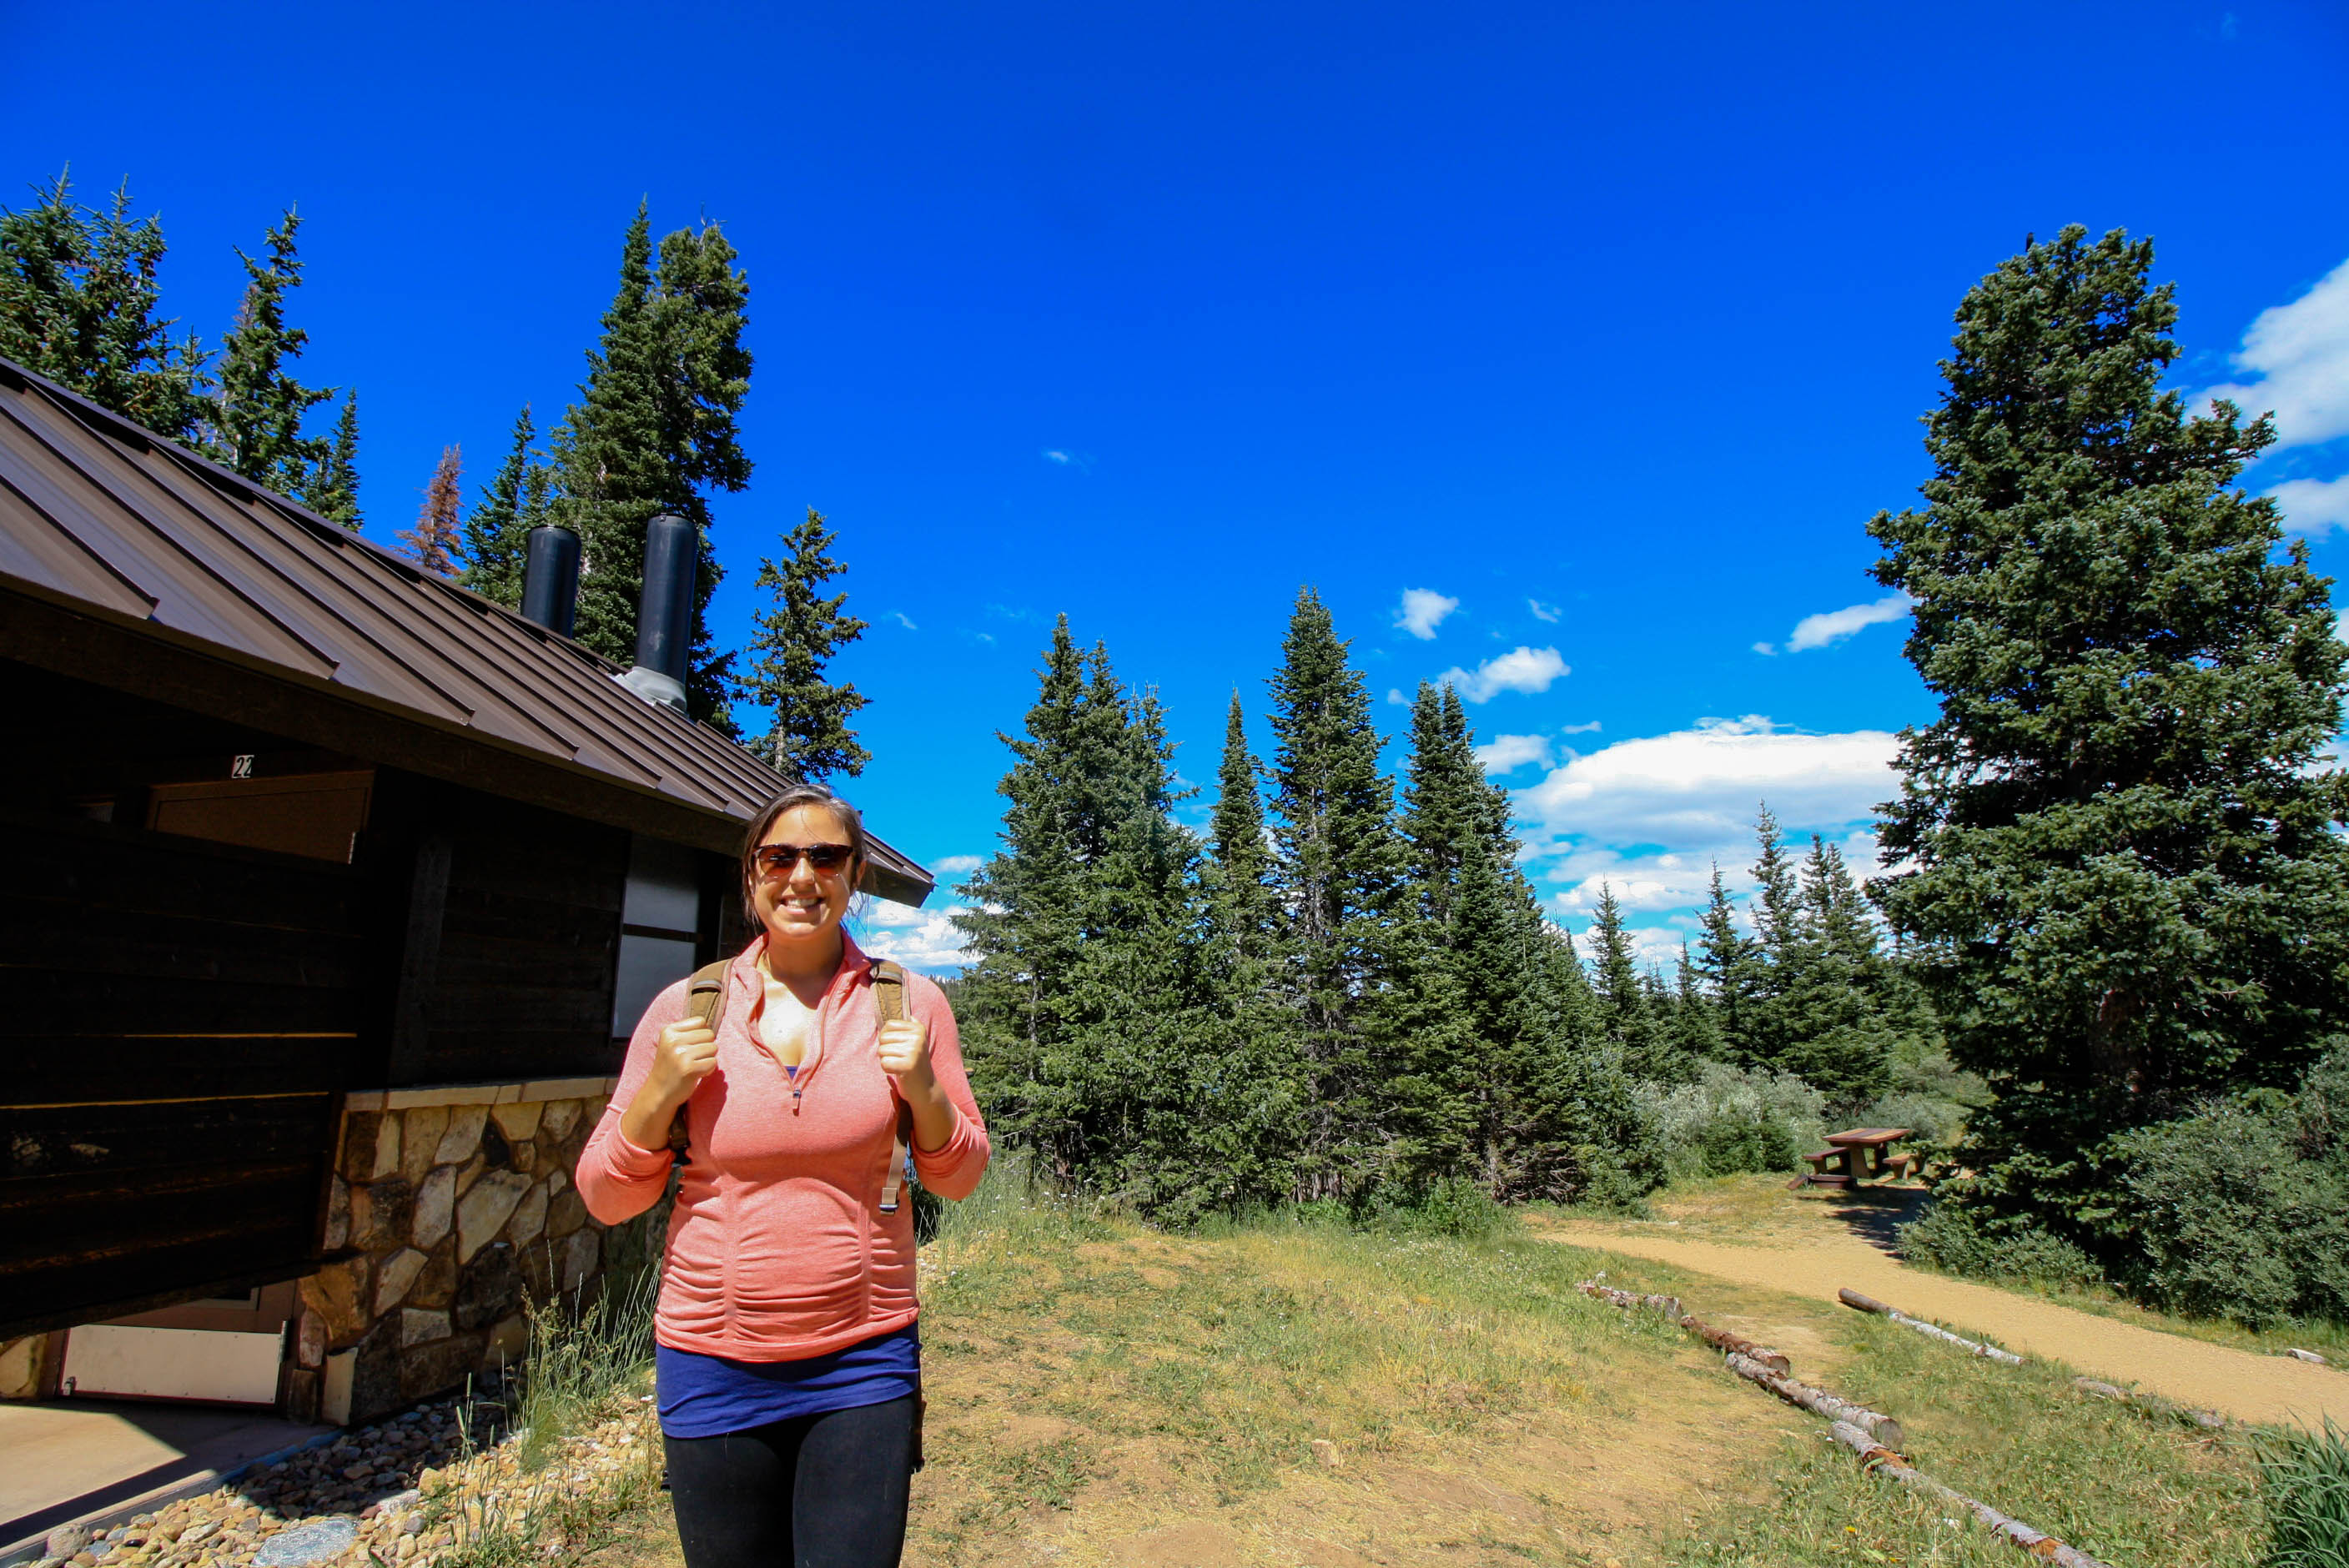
1101, 1393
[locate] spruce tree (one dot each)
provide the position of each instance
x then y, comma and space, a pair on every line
1626, 1012
1337, 869
333, 491
255, 421
497, 534
2125, 879
808, 737
433, 543
1835, 1036
78, 304
653, 430
1695, 1028
1729, 963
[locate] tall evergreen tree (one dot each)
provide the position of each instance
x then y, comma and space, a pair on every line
655, 429
434, 541
1240, 891
497, 534
257, 419
78, 304
1727, 963
1337, 869
333, 491
1626, 1010
1834, 1035
1695, 1030
2125, 878
808, 737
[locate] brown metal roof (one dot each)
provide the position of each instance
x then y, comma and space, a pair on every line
127, 534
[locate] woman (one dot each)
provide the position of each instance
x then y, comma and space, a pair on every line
788, 1363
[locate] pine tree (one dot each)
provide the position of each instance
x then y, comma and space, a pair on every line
1626, 1012
1728, 965
333, 491
255, 420
433, 543
497, 534
2126, 879
1695, 1030
1776, 955
1834, 1035
1337, 869
654, 428
809, 736
78, 303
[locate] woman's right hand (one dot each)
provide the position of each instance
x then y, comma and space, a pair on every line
685, 1054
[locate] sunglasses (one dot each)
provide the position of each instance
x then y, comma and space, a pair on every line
777, 860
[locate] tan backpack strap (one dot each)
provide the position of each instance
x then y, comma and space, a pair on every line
705, 993
889, 1001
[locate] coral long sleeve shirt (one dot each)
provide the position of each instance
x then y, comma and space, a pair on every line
778, 1248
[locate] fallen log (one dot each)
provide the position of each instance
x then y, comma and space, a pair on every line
2152, 1404
1669, 1305
2307, 1355
1852, 1298
1879, 1460
1819, 1401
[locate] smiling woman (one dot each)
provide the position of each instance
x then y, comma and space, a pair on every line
789, 1362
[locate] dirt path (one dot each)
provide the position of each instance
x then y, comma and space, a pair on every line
2250, 1388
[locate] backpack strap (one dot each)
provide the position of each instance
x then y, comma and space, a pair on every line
703, 994
889, 1000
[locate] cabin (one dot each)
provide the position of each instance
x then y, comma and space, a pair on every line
332, 894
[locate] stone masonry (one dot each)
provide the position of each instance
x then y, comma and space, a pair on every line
454, 1208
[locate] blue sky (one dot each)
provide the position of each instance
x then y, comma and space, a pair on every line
1584, 340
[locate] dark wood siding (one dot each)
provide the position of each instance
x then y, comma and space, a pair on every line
529, 932
177, 1021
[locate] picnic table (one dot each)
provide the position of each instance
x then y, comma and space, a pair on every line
1853, 1155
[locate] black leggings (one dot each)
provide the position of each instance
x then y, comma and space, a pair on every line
814, 1492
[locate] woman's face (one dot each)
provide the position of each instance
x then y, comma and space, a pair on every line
803, 904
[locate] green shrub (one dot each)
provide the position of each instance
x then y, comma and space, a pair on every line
1960, 1240
1733, 1119
2224, 1214
2304, 1484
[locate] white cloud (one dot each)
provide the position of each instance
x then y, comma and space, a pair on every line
1422, 610
1522, 669
924, 939
1508, 753
2299, 352
2314, 506
1394, 696
1589, 728
1695, 790
1543, 612
1834, 625
956, 865
903, 620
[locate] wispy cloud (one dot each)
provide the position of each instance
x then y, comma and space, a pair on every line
1544, 612
2300, 354
922, 939
1521, 669
2314, 506
956, 865
1508, 753
1060, 457
1422, 610
1591, 727
1834, 625
1691, 792
903, 620
1394, 696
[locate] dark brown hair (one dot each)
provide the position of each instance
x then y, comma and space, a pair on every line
850, 819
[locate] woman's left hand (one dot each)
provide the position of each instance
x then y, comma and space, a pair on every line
904, 1050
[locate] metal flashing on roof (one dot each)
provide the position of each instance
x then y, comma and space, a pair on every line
130, 558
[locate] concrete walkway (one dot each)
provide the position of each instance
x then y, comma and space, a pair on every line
2237, 1383
63, 1460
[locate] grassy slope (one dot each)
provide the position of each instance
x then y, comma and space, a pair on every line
1100, 1393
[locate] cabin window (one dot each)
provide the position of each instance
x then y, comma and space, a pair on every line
660, 927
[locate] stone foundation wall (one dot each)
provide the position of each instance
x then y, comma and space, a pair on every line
457, 1207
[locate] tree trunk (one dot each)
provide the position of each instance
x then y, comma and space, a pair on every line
1874, 1456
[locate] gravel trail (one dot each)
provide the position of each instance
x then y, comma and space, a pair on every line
2237, 1383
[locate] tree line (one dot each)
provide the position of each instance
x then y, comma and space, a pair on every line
654, 430
1345, 988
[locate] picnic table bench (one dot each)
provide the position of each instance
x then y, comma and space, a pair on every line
1853, 1155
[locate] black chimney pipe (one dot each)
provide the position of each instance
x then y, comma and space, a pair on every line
665, 612
550, 578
